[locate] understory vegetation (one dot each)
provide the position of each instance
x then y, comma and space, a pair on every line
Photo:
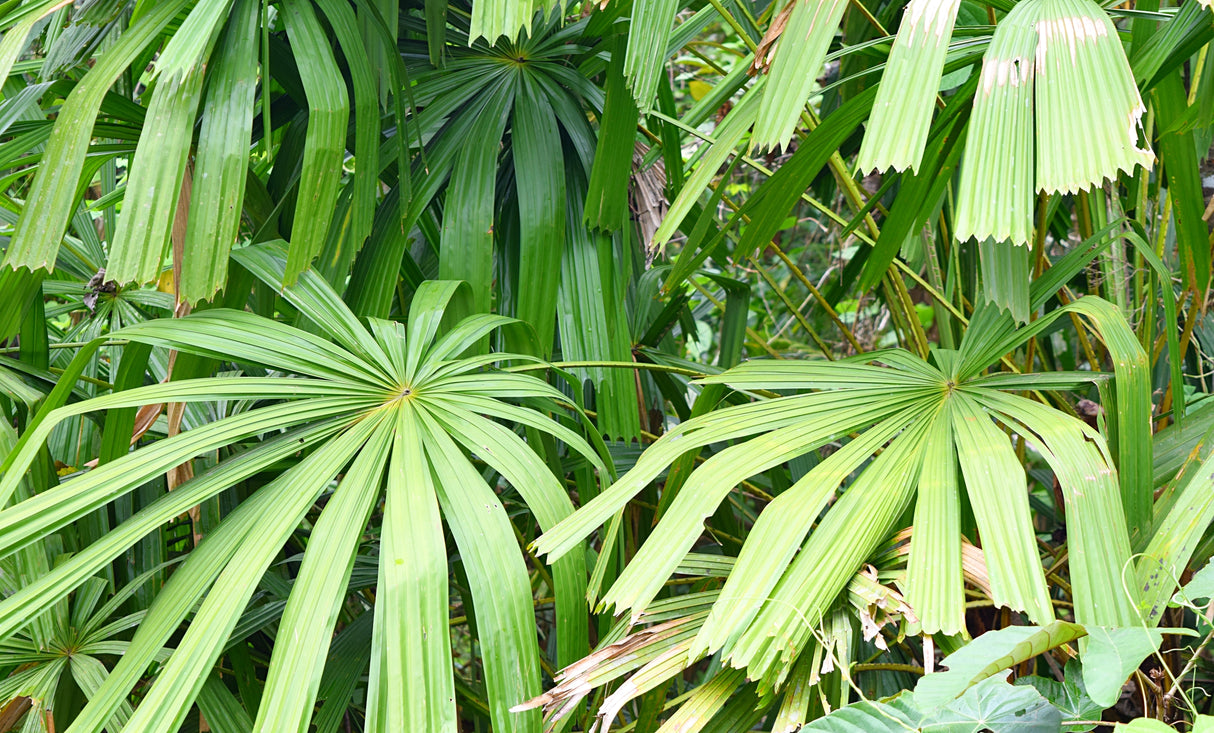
650, 366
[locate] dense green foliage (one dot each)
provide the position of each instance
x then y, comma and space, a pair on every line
653, 366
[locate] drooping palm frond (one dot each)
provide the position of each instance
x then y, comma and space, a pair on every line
1052, 64
902, 114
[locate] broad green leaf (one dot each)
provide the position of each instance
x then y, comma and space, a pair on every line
893, 715
1112, 654
1201, 585
1069, 696
995, 706
991, 705
987, 656
1145, 725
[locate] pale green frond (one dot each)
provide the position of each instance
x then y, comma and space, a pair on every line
725, 424
682, 523
906, 97
798, 696
780, 530
991, 335
778, 374
137, 253
845, 537
150, 204
546, 498
492, 19
191, 43
1184, 514
411, 685
223, 712
315, 298
998, 491
935, 585
191, 581
17, 34
1088, 108
649, 677
726, 138
1007, 270
240, 336
170, 698
1098, 536
310, 616
797, 60
117, 477
646, 56
523, 416
462, 337
997, 189
497, 579
425, 316
89, 673
705, 702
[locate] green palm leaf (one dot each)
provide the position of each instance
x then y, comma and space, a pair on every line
921, 424
397, 401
